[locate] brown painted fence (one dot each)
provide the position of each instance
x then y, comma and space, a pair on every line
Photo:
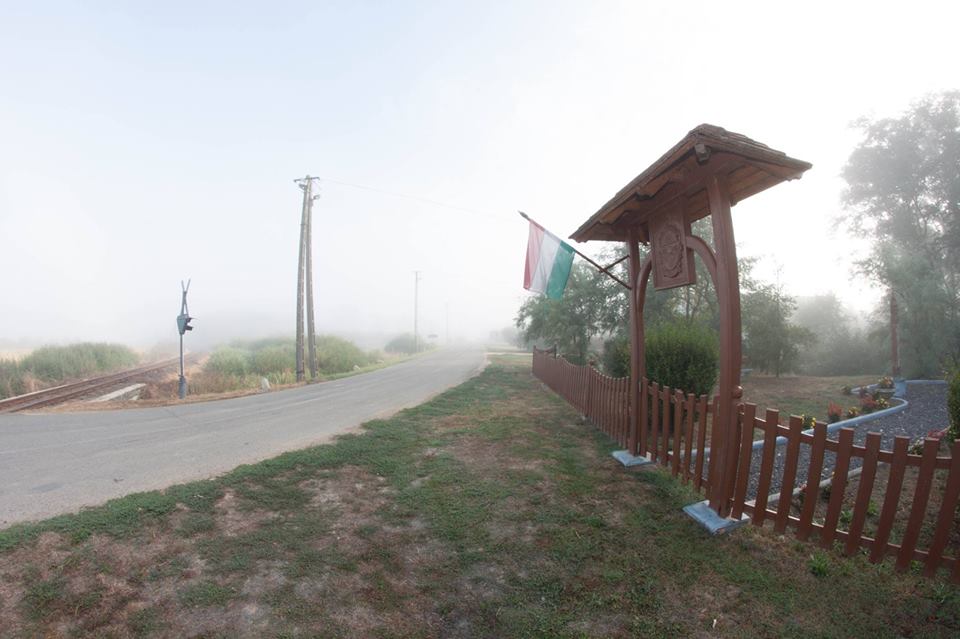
896, 504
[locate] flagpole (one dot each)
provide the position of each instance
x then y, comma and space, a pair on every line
602, 269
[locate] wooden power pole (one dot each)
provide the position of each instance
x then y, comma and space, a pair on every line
311, 335
305, 271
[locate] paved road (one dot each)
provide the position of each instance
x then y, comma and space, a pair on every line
56, 463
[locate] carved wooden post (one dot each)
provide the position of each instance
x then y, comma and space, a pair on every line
730, 392
636, 345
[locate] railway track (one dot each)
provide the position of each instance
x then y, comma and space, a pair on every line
65, 392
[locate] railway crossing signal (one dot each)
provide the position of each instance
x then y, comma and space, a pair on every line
183, 325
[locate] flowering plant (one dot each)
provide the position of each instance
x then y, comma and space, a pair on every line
846, 390
882, 403
809, 421
834, 412
885, 382
852, 412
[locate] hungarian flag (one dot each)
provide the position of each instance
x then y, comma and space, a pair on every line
548, 262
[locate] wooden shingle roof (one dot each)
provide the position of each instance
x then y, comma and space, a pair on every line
747, 165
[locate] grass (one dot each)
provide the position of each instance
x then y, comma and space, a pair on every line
802, 395
488, 511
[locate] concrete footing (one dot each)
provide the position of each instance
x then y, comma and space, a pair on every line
703, 514
630, 461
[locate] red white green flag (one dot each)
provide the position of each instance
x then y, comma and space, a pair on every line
548, 262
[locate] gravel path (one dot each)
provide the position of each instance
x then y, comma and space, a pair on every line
927, 411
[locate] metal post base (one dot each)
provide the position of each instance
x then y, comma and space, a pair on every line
183, 387
703, 514
630, 461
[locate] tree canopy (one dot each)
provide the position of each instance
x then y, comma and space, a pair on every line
903, 193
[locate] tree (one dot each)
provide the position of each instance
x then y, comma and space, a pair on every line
840, 346
770, 342
589, 307
903, 193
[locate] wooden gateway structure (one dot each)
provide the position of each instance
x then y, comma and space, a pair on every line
704, 175
722, 446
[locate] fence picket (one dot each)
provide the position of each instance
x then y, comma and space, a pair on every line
654, 420
813, 480
644, 418
863, 494
771, 421
688, 437
701, 442
919, 508
789, 474
677, 430
747, 421
665, 425
837, 488
891, 500
948, 507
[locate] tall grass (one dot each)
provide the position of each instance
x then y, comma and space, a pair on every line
50, 365
241, 364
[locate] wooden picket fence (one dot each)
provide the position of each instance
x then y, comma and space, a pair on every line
900, 505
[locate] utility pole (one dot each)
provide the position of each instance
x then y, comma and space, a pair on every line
305, 271
416, 308
311, 335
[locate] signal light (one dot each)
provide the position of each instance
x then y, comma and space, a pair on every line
183, 323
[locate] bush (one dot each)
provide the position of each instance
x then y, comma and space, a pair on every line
684, 356
953, 404
616, 356
274, 359
401, 344
337, 355
228, 361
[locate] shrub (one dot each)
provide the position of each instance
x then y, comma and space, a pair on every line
401, 344
846, 390
867, 404
337, 355
953, 404
616, 356
228, 361
684, 356
274, 359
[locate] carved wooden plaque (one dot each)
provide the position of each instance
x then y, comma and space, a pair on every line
673, 263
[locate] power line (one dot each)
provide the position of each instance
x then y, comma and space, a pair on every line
418, 198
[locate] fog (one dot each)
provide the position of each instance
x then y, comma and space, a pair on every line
142, 145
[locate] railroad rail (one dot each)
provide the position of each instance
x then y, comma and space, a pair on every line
60, 394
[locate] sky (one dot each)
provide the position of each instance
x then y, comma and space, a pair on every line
146, 143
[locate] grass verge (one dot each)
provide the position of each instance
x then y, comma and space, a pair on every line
488, 511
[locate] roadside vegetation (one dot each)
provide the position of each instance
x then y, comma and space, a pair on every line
488, 511
243, 364
51, 365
